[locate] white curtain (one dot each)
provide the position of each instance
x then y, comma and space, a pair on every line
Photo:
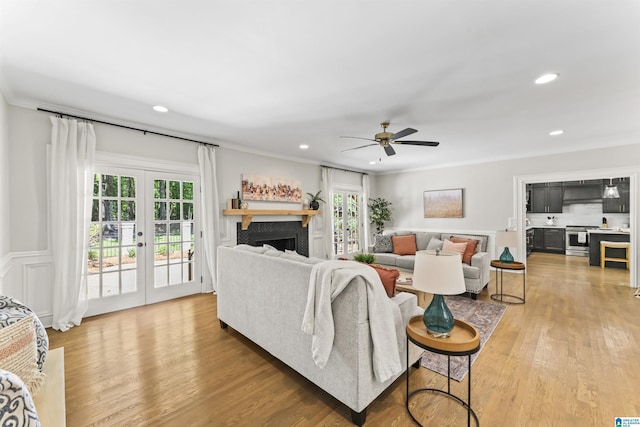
327, 217
365, 212
73, 147
210, 207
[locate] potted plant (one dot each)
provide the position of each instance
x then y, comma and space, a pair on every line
314, 202
379, 212
365, 258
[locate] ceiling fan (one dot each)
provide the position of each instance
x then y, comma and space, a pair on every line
385, 139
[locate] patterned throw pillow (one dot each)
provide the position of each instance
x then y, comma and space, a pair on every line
19, 408
12, 311
382, 243
18, 353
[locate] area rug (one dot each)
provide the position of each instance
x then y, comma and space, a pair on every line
50, 400
483, 315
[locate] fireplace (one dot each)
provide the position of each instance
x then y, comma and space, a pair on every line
283, 235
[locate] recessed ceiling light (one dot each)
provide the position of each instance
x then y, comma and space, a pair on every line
160, 109
546, 78
303, 146
556, 132
372, 162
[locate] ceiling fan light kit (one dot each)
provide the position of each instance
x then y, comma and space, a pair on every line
385, 139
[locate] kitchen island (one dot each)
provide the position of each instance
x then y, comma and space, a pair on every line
611, 235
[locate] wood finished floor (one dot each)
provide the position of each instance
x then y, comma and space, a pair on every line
567, 357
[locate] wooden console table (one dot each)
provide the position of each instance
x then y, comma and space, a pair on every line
248, 214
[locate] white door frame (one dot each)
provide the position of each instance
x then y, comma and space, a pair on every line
519, 209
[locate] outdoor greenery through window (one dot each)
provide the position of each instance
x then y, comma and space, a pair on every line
112, 236
346, 222
173, 247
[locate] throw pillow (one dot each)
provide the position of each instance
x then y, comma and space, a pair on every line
435, 244
294, 256
249, 248
449, 246
18, 353
404, 245
17, 405
472, 245
388, 277
382, 243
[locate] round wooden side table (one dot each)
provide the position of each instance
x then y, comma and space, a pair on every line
500, 296
463, 341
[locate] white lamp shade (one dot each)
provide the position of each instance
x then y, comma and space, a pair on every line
507, 238
438, 274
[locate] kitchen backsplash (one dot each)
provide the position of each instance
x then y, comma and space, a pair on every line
581, 214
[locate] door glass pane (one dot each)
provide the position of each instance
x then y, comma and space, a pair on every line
187, 190
338, 224
174, 190
160, 189
112, 237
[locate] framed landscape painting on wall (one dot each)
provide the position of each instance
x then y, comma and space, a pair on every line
443, 203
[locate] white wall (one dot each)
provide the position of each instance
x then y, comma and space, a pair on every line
490, 189
4, 186
27, 270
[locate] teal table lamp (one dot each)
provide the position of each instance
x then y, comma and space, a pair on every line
439, 273
506, 239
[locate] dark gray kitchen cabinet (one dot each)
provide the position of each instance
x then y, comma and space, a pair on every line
554, 239
549, 240
546, 197
620, 205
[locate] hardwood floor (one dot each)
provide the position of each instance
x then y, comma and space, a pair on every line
569, 356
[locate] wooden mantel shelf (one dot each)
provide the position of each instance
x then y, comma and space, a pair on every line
248, 214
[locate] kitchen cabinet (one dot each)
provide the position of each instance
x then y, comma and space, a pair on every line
530, 237
549, 240
546, 198
620, 205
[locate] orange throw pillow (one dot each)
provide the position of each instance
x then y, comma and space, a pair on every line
388, 277
404, 245
472, 244
449, 246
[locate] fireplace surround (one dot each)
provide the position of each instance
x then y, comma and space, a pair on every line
283, 235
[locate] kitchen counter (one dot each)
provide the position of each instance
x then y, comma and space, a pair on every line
610, 231
545, 226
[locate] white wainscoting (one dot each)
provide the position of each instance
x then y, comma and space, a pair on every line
28, 277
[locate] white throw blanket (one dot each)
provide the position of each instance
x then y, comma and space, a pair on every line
327, 280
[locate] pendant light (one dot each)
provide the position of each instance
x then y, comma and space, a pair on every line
610, 191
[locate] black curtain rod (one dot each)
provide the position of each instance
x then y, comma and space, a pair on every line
125, 127
344, 170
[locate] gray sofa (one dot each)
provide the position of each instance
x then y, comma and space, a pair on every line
476, 275
263, 297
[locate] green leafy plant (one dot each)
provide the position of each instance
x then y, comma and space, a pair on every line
379, 212
366, 258
93, 255
316, 197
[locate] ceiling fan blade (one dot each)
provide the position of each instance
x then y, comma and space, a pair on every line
423, 143
402, 133
389, 150
362, 146
357, 137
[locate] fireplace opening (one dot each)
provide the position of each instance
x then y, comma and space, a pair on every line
278, 242
282, 235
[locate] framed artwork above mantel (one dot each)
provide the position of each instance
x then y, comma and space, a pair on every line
265, 188
443, 203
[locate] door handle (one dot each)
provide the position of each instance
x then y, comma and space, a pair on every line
140, 244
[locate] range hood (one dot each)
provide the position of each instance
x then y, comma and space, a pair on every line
582, 194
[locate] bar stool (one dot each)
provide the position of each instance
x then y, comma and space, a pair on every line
614, 245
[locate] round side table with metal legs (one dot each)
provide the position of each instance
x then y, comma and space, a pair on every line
500, 295
463, 341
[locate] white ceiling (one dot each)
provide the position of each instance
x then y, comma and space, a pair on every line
267, 76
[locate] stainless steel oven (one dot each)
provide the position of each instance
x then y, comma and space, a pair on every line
577, 239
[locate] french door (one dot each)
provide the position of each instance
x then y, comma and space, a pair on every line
144, 243
346, 222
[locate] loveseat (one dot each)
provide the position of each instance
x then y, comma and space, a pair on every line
476, 265
262, 293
